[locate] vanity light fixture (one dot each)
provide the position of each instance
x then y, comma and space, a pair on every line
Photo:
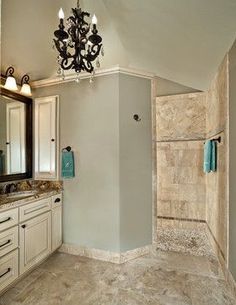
25, 87
10, 83
79, 44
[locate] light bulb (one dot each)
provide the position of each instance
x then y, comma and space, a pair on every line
94, 19
26, 90
61, 14
11, 84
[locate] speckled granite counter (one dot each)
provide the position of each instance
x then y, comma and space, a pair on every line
9, 203
28, 191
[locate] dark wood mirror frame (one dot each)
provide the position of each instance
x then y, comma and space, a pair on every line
29, 136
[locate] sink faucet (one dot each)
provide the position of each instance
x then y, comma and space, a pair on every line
12, 187
9, 188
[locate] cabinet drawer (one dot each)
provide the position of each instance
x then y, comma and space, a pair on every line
8, 240
56, 200
8, 269
8, 219
35, 208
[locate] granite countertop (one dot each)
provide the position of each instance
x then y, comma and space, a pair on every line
24, 197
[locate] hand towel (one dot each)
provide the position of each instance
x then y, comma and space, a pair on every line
207, 156
213, 156
67, 164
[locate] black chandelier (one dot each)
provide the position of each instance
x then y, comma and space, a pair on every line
79, 45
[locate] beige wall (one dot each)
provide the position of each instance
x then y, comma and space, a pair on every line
180, 178
232, 160
216, 182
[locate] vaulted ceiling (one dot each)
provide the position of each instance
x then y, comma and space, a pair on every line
183, 41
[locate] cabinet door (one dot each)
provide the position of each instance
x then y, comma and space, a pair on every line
46, 137
35, 241
56, 227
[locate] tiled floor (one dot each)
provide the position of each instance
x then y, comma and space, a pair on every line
194, 241
161, 278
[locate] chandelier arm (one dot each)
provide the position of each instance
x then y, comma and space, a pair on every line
93, 54
87, 66
64, 64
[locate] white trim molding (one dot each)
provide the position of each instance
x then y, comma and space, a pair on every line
104, 255
83, 75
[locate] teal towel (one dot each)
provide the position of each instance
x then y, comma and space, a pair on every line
67, 164
207, 156
213, 156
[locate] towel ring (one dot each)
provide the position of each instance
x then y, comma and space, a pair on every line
67, 148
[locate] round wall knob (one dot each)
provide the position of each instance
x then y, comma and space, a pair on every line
136, 118
23, 226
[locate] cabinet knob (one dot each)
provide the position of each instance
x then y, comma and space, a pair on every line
7, 143
57, 200
53, 140
23, 226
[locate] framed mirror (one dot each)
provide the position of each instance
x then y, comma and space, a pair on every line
15, 136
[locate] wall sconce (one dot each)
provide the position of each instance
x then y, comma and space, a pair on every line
25, 87
10, 80
10, 83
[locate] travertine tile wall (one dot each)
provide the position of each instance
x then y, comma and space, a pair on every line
216, 183
184, 191
181, 117
181, 182
180, 178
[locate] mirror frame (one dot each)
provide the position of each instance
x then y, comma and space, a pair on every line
29, 135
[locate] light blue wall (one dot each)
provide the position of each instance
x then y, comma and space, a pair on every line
89, 116
108, 205
135, 162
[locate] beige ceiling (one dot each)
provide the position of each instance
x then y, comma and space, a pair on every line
180, 40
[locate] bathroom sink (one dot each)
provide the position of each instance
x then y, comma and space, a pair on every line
20, 195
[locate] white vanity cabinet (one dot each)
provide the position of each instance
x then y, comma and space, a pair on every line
35, 241
46, 131
56, 221
28, 234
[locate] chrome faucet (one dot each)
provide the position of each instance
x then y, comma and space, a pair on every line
12, 187
9, 188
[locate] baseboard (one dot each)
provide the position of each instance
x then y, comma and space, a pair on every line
220, 255
103, 255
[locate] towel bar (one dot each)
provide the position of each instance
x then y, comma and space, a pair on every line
216, 139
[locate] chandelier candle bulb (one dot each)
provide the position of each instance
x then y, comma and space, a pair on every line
94, 20
61, 14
